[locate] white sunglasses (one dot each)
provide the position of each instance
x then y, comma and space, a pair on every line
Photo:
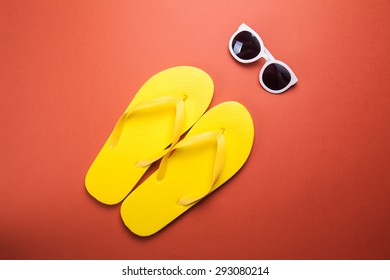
246, 46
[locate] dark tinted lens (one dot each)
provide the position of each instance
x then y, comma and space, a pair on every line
276, 76
245, 45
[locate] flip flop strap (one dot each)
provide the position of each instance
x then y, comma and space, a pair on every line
159, 102
203, 138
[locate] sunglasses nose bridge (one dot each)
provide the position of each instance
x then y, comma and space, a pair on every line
267, 55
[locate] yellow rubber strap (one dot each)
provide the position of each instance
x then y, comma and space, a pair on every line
217, 169
200, 139
153, 104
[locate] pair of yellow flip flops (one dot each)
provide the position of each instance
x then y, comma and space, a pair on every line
214, 149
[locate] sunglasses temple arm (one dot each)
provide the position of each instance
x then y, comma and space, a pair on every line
268, 54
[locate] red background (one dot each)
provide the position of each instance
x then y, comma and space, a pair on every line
317, 183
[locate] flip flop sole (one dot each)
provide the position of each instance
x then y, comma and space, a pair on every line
156, 203
114, 172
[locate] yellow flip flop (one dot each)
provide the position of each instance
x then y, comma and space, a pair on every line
214, 149
166, 106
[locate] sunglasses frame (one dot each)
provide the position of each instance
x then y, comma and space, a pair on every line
264, 53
